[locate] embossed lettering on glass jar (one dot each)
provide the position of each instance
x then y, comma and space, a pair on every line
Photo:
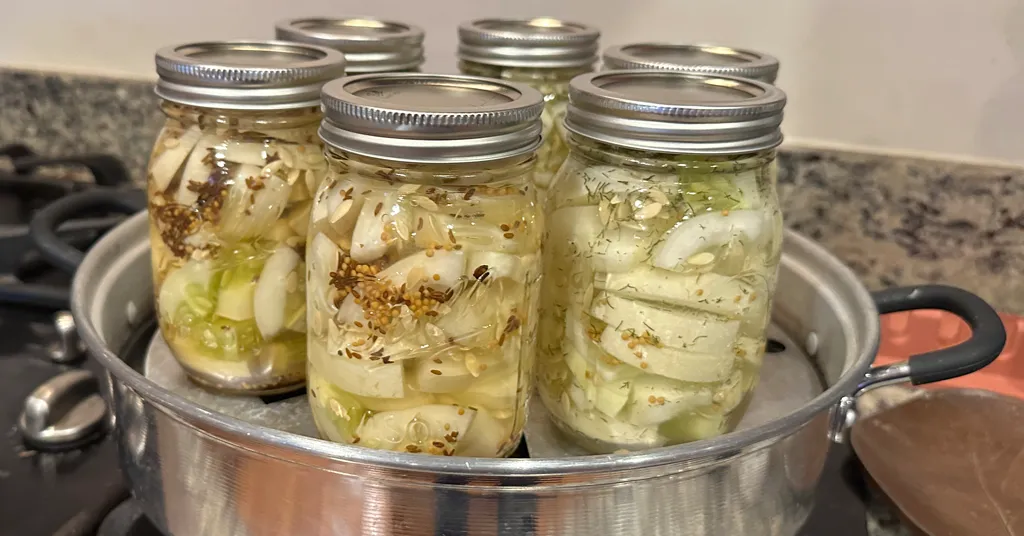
544, 53
708, 59
663, 242
230, 190
423, 266
370, 45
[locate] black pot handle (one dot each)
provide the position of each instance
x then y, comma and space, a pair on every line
988, 336
44, 223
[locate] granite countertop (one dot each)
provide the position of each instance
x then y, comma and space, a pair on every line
893, 220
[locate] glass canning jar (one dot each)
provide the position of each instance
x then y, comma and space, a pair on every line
708, 59
544, 53
424, 266
230, 187
663, 243
370, 45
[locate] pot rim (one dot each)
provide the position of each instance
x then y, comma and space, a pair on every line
114, 244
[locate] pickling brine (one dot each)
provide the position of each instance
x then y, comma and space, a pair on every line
229, 207
422, 285
663, 245
659, 274
424, 264
230, 184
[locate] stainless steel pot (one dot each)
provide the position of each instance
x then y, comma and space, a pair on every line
198, 471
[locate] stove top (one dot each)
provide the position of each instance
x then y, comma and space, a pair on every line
49, 490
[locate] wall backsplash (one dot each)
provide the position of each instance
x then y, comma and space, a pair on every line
894, 220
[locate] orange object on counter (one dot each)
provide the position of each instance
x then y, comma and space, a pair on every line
916, 332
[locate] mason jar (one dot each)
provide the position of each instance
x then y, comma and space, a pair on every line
545, 53
423, 266
664, 238
370, 45
230, 185
709, 59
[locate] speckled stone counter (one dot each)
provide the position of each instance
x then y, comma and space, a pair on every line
893, 220
898, 221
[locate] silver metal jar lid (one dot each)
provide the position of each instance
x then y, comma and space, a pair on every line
431, 118
676, 112
370, 45
538, 43
246, 75
709, 59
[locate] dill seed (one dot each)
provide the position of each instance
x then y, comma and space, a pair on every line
436, 372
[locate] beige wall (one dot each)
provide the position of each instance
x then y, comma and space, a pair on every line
938, 76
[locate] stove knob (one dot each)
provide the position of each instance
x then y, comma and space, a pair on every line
66, 412
68, 347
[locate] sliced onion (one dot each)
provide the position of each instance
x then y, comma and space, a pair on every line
476, 316
501, 265
249, 213
271, 295
496, 390
592, 184
358, 376
608, 397
750, 194
322, 258
444, 372
254, 153
173, 289
729, 296
301, 156
393, 429
472, 234
676, 328
655, 400
578, 232
350, 312
369, 240
609, 433
197, 169
669, 362
486, 436
166, 166
706, 231
447, 266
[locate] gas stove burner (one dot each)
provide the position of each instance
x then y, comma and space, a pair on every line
28, 183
